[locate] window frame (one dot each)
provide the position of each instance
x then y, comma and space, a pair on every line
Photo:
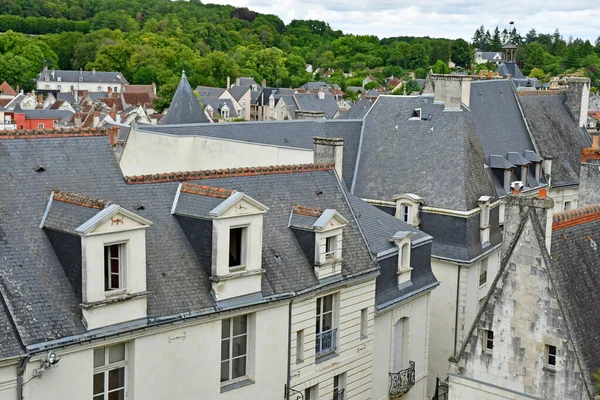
339, 386
330, 248
320, 316
300, 346
406, 213
41, 126
311, 393
364, 323
548, 354
243, 248
105, 370
230, 350
488, 337
483, 271
122, 257
567, 205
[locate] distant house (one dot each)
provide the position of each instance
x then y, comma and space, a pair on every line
483, 57
70, 81
140, 95
7, 91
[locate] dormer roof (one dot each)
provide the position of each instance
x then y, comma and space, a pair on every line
517, 159
330, 219
499, 162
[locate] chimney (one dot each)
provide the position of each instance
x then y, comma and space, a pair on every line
589, 177
449, 89
93, 71
40, 99
264, 83
228, 83
578, 94
113, 135
96, 120
321, 94
328, 150
153, 88
118, 120
77, 120
109, 91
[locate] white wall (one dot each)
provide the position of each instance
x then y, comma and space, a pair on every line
561, 195
150, 153
354, 355
8, 381
183, 363
65, 87
417, 311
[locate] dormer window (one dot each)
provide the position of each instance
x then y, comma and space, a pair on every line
484, 219
508, 179
415, 115
330, 247
80, 79
538, 172
407, 208
59, 79
47, 78
254, 88
237, 251
114, 267
403, 241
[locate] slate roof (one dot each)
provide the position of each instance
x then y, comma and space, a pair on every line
490, 55
34, 282
10, 345
238, 92
439, 159
556, 134
88, 76
184, 108
208, 91
511, 69
358, 110
217, 105
248, 82
297, 134
576, 258
311, 102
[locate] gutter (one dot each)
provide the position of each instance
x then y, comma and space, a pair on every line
289, 352
471, 261
20, 372
456, 314
386, 305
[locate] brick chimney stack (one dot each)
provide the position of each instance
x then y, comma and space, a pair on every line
327, 150
113, 135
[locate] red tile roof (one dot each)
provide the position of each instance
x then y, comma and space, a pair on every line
204, 190
311, 212
85, 201
138, 99
148, 89
7, 89
226, 173
567, 219
52, 133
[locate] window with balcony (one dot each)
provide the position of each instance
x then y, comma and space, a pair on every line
114, 267
234, 349
325, 331
110, 364
237, 248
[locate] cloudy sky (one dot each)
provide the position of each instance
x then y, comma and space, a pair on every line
435, 18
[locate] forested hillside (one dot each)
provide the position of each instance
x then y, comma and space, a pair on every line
153, 40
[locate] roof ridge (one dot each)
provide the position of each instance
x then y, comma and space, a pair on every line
302, 210
52, 133
204, 190
548, 92
80, 200
182, 176
578, 216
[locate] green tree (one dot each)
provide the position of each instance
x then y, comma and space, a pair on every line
420, 73
417, 56
461, 53
440, 67
496, 42
537, 73
535, 57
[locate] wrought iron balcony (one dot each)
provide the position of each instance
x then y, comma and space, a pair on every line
325, 342
402, 381
339, 394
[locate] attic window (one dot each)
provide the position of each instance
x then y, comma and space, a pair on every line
237, 241
330, 248
113, 266
416, 115
59, 79
39, 168
46, 78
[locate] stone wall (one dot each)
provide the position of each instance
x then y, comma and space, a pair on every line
578, 93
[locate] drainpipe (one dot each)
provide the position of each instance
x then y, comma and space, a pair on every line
289, 350
456, 316
20, 372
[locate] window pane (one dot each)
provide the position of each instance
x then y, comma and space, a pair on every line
118, 395
318, 324
115, 281
99, 397
327, 321
327, 303
225, 328
239, 325
114, 266
99, 383
224, 371
238, 367
116, 353
239, 346
98, 357
318, 306
114, 250
116, 378
224, 350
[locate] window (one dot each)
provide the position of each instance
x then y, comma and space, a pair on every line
47, 87
99, 88
484, 219
116, 89
234, 342
488, 340
58, 87
47, 78
54, 123
483, 272
237, 247
110, 364
114, 267
72, 88
538, 171
40, 126
416, 114
325, 334
80, 79
550, 356
59, 79
567, 206
406, 213
364, 323
524, 172
330, 248
338, 387
299, 346
310, 393
225, 114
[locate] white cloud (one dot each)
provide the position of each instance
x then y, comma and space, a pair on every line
449, 19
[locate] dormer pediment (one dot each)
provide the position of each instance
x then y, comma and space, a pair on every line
330, 220
113, 218
237, 205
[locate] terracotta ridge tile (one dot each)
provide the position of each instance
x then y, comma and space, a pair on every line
590, 153
203, 190
578, 216
311, 212
183, 176
541, 92
52, 133
80, 200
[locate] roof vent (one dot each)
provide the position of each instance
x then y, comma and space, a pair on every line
424, 101
139, 207
39, 168
416, 115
